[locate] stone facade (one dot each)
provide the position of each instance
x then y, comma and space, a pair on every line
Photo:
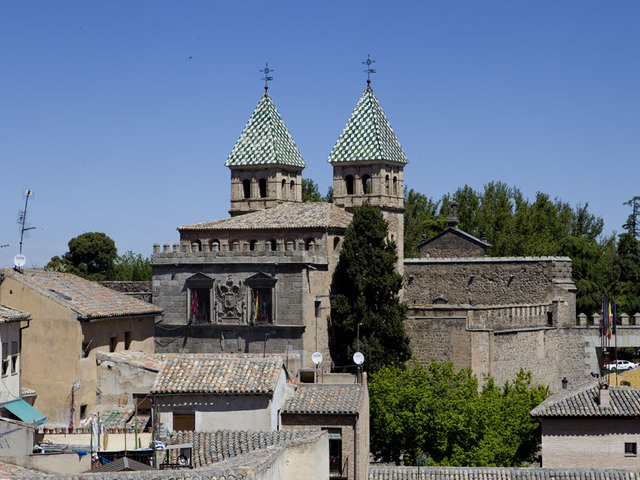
496, 315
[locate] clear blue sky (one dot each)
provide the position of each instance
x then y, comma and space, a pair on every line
119, 115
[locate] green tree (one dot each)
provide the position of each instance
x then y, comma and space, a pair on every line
132, 267
442, 413
365, 292
91, 255
421, 219
310, 192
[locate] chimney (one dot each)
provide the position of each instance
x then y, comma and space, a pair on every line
605, 396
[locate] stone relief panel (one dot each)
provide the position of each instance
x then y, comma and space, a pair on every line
230, 299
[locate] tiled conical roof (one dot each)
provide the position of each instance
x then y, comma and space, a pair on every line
265, 140
368, 135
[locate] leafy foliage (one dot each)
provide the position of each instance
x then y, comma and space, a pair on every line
515, 226
132, 267
310, 192
94, 256
365, 291
441, 413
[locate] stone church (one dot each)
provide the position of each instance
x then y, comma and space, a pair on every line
259, 281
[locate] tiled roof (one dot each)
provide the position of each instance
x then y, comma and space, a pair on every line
149, 361
283, 216
88, 299
497, 473
8, 470
583, 402
265, 140
219, 375
8, 314
213, 447
368, 135
320, 399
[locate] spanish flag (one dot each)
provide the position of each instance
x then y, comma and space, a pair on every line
255, 312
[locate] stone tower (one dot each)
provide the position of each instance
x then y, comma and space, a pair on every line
265, 163
368, 164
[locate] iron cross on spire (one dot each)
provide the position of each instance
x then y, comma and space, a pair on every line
369, 70
266, 70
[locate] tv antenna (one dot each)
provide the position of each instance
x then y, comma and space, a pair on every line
22, 218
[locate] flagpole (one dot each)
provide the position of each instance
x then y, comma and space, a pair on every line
613, 323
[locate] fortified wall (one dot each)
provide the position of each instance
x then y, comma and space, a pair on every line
497, 315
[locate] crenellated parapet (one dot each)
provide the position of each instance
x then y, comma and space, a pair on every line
240, 252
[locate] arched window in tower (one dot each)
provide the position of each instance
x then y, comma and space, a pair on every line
292, 193
262, 185
386, 184
366, 184
349, 184
246, 188
395, 185
283, 190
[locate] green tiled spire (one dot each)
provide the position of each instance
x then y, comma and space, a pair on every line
265, 140
368, 135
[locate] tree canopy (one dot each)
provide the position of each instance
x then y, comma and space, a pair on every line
441, 413
310, 192
94, 256
365, 292
516, 226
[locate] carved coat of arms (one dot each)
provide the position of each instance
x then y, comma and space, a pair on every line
230, 299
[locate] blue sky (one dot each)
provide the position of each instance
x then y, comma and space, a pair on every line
120, 115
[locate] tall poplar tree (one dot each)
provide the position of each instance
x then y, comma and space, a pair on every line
365, 292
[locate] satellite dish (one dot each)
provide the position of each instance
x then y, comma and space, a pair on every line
316, 358
358, 358
19, 260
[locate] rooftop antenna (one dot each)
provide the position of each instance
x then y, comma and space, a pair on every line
19, 259
266, 70
369, 70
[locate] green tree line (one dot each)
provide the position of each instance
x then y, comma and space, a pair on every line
440, 414
516, 226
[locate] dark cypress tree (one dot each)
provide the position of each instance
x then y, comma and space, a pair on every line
365, 291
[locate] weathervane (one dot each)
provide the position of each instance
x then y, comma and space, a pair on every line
266, 70
369, 70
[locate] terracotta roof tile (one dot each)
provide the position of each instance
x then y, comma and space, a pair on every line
191, 374
89, 299
317, 398
497, 473
583, 402
8, 314
282, 217
213, 447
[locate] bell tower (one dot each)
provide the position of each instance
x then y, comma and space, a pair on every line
266, 165
368, 165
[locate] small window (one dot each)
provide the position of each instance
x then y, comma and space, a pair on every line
631, 449
184, 422
290, 245
200, 305
336, 243
113, 343
127, 340
14, 358
550, 319
83, 412
5, 359
252, 245
386, 183
335, 451
215, 246
283, 190
395, 185
86, 348
234, 245
292, 185
316, 305
349, 184
272, 245
366, 184
262, 185
246, 188
196, 246
310, 244
262, 305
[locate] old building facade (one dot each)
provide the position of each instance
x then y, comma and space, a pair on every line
259, 281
